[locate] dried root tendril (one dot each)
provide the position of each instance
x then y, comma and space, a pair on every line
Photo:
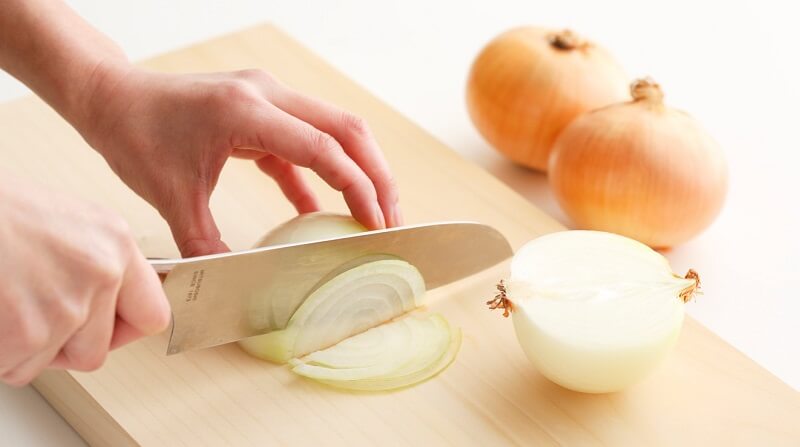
688, 293
501, 300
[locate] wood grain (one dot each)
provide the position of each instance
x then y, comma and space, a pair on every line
706, 393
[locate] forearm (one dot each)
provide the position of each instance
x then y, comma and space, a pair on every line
48, 47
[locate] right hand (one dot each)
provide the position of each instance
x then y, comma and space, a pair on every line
75, 284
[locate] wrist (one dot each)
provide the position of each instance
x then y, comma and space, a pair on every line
86, 104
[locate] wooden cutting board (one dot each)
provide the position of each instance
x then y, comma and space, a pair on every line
706, 393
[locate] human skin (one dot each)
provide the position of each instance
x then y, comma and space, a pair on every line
167, 136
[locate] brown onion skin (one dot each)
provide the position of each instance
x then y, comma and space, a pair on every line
523, 90
641, 170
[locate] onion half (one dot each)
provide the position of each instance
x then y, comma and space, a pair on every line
594, 312
345, 315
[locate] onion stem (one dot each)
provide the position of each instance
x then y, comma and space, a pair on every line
567, 40
646, 89
501, 300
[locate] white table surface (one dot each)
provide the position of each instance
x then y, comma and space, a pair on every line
733, 67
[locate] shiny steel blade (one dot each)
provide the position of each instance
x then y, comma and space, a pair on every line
223, 298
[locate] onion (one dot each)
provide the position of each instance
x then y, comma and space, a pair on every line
527, 84
395, 355
349, 303
640, 169
311, 227
356, 299
345, 314
593, 311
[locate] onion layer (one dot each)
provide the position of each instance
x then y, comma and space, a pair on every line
351, 302
593, 311
395, 355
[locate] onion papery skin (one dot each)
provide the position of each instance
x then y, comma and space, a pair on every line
595, 312
639, 169
523, 90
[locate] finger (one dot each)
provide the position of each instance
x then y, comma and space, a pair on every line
141, 302
88, 347
291, 182
193, 227
21, 369
29, 369
302, 144
123, 334
356, 139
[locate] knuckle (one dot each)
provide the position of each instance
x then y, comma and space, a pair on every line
91, 361
73, 314
117, 226
355, 125
322, 146
32, 337
359, 182
234, 91
257, 75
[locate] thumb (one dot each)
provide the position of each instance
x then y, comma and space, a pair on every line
194, 229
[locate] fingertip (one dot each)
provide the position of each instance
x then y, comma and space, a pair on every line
380, 220
308, 205
396, 216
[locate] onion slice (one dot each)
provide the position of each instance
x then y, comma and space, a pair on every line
395, 355
349, 303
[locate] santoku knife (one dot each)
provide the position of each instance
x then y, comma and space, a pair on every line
222, 298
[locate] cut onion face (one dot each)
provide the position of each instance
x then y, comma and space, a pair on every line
350, 303
395, 355
593, 311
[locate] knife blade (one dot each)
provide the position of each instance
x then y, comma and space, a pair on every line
221, 298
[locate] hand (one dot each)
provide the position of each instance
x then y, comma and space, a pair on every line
76, 285
168, 137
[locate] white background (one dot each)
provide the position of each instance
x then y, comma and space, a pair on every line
735, 68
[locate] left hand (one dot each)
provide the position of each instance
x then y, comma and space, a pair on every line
168, 136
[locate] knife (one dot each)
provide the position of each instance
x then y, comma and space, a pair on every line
221, 298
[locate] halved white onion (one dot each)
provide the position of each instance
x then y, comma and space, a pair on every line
594, 311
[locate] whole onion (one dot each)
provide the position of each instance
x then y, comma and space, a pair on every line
529, 83
640, 169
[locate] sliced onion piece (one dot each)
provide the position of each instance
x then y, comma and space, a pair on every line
350, 303
409, 351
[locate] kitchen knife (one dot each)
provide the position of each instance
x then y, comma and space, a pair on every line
221, 298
